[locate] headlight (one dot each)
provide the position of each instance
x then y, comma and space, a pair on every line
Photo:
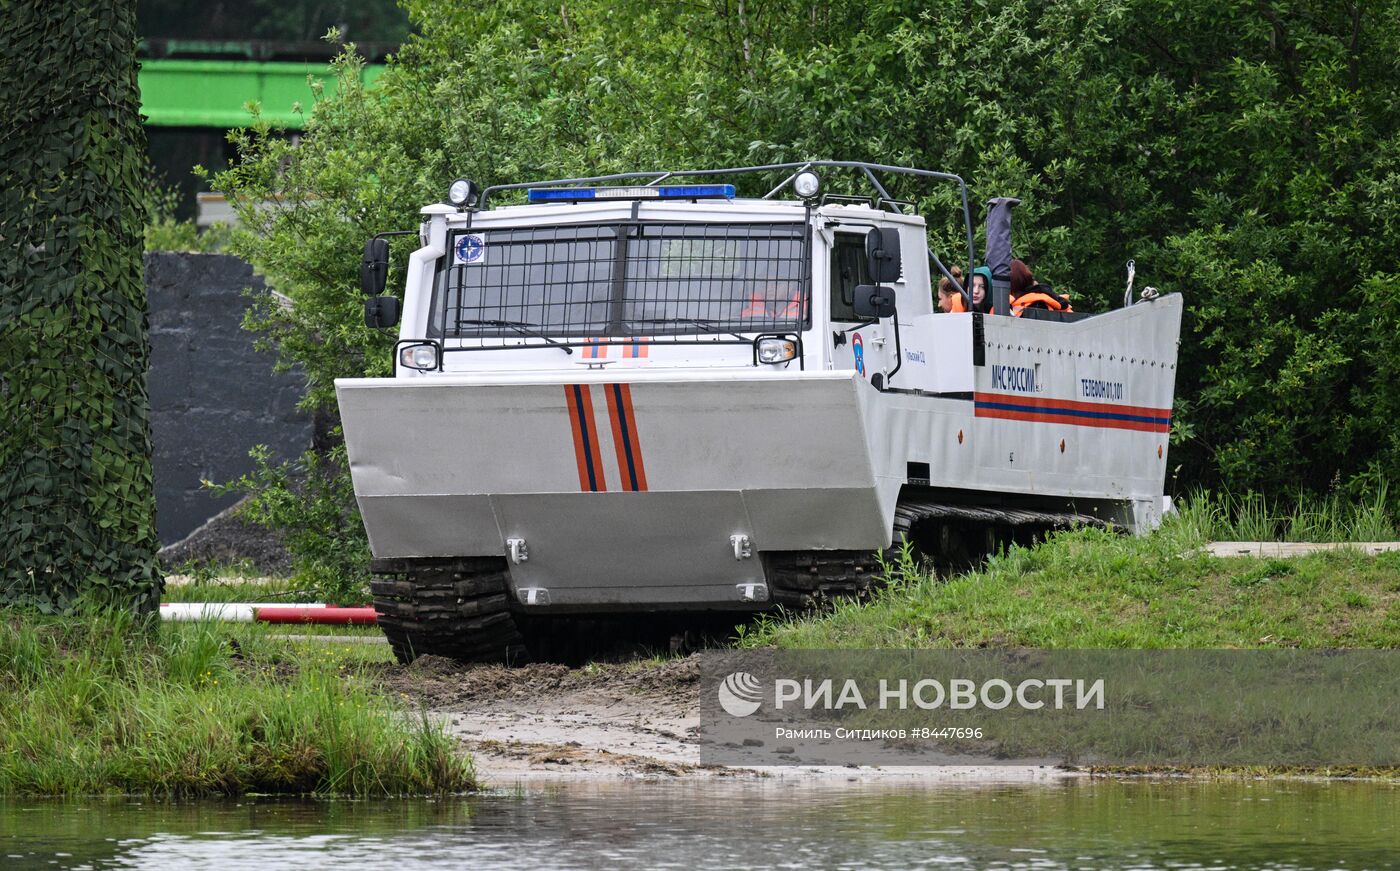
806, 184
421, 357
462, 192
776, 350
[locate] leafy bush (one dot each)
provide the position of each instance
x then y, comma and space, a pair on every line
168, 234
165, 232
313, 505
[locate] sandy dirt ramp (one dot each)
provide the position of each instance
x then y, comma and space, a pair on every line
612, 720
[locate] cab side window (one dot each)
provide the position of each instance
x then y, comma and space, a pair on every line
848, 270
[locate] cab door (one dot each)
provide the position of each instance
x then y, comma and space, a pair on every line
856, 343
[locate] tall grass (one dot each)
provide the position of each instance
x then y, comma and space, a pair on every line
238, 589
113, 703
1304, 517
1093, 589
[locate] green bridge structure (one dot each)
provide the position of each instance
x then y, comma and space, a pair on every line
210, 84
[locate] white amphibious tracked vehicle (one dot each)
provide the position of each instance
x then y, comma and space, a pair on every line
640, 393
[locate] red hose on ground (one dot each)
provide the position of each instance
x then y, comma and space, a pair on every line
326, 614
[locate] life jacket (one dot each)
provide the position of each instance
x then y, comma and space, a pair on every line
1043, 296
958, 304
759, 307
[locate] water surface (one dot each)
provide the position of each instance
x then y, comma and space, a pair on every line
719, 824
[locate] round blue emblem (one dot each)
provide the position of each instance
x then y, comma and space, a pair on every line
470, 249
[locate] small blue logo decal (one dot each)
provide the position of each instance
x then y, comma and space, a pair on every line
858, 350
471, 248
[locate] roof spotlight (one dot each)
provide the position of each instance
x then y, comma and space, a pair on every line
462, 193
806, 183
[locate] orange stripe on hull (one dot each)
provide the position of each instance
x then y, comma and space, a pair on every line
590, 466
624, 426
591, 447
576, 424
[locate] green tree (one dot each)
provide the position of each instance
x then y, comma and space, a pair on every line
76, 502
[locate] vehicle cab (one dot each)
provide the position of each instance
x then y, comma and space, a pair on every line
657, 277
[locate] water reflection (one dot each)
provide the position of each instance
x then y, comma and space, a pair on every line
720, 824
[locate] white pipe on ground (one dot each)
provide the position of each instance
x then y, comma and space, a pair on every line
232, 612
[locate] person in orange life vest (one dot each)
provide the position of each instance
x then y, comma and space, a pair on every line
782, 301
1026, 292
949, 300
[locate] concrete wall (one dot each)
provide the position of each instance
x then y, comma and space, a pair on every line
212, 395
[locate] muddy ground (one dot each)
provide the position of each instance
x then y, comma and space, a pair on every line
636, 719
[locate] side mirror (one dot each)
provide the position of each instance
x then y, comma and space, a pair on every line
874, 302
381, 312
882, 252
374, 268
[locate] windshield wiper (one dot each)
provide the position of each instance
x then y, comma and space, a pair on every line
523, 329
708, 324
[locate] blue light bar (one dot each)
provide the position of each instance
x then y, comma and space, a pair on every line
663, 192
692, 191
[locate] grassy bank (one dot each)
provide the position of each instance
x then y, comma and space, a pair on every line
111, 704
1302, 517
1093, 589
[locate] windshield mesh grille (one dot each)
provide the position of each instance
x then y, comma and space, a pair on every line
626, 280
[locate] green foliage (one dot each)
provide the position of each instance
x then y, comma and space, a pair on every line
168, 234
108, 703
335, 190
1244, 155
1247, 156
164, 232
75, 469
313, 505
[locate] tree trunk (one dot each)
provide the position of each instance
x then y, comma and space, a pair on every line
77, 511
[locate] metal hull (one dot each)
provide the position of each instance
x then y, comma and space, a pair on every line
625, 493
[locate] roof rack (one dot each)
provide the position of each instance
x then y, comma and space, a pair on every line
869, 170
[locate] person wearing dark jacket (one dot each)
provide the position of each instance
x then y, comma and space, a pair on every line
1026, 292
981, 290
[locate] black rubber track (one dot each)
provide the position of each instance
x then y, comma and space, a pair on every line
804, 579
456, 608
460, 607
800, 579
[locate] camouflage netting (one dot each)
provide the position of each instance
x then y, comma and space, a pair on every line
76, 507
